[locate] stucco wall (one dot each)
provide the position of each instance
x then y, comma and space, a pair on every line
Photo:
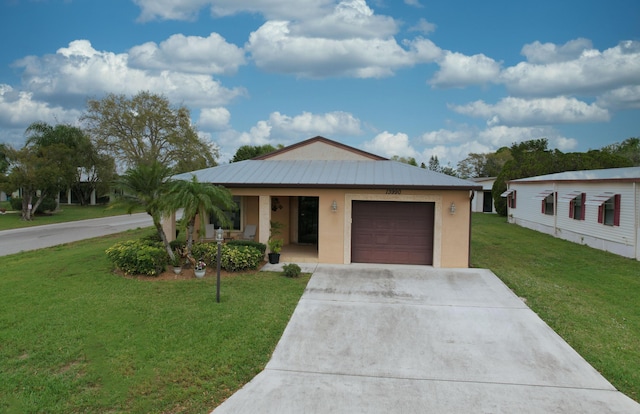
451, 231
319, 151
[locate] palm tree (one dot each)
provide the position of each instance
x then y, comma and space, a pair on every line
198, 200
146, 186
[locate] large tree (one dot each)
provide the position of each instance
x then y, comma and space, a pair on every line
81, 167
246, 152
483, 165
629, 148
36, 172
145, 129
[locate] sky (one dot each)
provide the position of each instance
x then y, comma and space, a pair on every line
412, 78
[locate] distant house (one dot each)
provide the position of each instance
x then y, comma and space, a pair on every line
482, 199
598, 208
346, 206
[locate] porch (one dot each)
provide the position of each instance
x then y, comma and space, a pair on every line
299, 253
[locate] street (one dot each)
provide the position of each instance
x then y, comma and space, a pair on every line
38, 237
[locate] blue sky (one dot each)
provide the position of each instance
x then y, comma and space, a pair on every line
413, 78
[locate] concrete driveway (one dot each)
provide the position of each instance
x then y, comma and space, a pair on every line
408, 339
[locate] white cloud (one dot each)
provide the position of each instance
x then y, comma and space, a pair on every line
458, 70
592, 72
307, 124
516, 111
285, 129
80, 70
423, 26
627, 97
414, 3
216, 119
271, 9
504, 136
454, 145
350, 18
539, 53
275, 49
388, 145
18, 109
190, 54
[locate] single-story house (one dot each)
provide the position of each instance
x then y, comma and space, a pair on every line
344, 205
599, 208
483, 200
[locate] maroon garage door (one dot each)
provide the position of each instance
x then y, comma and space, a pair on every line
392, 232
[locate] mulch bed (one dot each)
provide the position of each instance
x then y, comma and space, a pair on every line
188, 274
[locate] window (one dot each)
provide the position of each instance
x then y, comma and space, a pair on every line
511, 199
233, 216
548, 205
609, 211
577, 207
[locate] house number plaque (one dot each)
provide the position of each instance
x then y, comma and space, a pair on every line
393, 191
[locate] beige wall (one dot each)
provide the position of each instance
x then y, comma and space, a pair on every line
319, 151
451, 231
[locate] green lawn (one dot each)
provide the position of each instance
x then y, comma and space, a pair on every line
66, 213
76, 338
589, 297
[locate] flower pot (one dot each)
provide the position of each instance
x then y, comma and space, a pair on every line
199, 273
177, 270
274, 258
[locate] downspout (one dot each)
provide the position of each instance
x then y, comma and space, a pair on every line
471, 195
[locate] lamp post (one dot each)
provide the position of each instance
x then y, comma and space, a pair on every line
219, 241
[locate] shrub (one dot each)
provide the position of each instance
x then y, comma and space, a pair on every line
138, 257
236, 258
291, 270
48, 204
207, 252
260, 246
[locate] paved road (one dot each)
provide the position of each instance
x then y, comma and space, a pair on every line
38, 237
411, 339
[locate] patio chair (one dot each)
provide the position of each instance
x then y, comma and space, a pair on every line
249, 232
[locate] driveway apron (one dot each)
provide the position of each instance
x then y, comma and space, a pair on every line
412, 339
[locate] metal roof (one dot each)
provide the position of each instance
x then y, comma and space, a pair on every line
327, 174
629, 173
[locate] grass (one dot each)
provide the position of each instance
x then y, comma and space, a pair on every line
66, 213
588, 296
76, 338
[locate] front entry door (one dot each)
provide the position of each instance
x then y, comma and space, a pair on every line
308, 220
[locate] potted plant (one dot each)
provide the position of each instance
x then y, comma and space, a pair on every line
177, 264
200, 269
275, 243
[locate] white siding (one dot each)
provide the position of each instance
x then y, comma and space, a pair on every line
623, 240
528, 212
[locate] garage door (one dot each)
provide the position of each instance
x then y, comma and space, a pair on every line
392, 232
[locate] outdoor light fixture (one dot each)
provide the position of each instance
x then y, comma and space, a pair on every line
452, 208
334, 206
219, 238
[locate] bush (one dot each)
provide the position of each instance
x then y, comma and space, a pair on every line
260, 246
291, 270
138, 257
48, 204
207, 252
236, 258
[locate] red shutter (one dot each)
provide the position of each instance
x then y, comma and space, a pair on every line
616, 210
544, 205
513, 199
583, 208
571, 207
601, 213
